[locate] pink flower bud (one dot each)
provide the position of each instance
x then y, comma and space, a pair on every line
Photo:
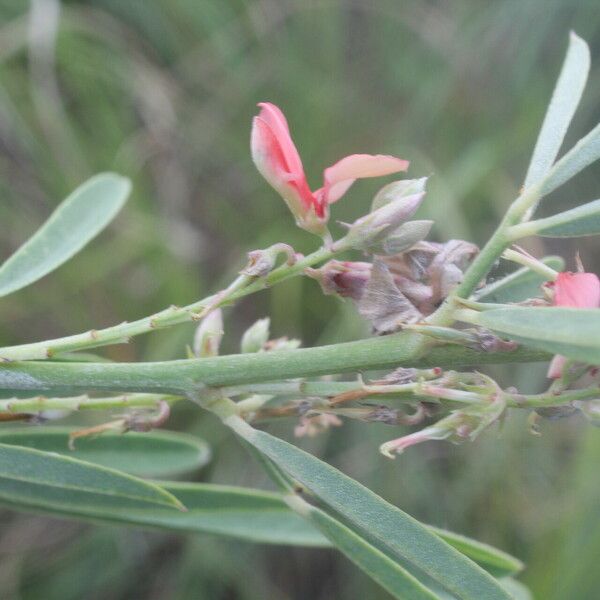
278, 161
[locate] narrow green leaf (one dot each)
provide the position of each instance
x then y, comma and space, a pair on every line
494, 561
76, 221
385, 571
565, 99
516, 589
519, 285
577, 222
152, 454
246, 514
572, 332
36, 478
398, 533
584, 153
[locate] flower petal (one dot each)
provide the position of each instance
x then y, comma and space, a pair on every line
275, 119
579, 290
271, 162
340, 176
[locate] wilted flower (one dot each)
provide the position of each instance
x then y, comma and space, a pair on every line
310, 426
278, 161
396, 290
383, 304
576, 290
344, 278
427, 272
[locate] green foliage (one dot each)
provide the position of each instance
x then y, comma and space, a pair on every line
518, 285
573, 332
494, 561
562, 107
380, 567
166, 92
580, 221
250, 515
77, 220
152, 454
397, 534
39, 479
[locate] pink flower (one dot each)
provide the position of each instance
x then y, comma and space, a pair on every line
278, 161
576, 290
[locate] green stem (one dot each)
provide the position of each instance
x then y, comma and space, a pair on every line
117, 334
549, 399
489, 254
183, 376
84, 402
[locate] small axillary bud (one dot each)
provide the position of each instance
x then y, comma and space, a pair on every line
262, 262
209, 334
256, 336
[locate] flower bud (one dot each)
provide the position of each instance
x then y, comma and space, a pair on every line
282, 343
208, 335
402, 238
439, 431
398, 189
256, 336
262, 262
369, 231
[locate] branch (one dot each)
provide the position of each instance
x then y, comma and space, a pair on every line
185, 376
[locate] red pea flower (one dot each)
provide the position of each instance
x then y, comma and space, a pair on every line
278, 161
576, 290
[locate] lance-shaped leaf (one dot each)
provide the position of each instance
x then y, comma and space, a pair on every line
31, 477
572, 332
584, 153
397, 534
76, 221
577, 222
494, 561
518, 285
565, 99
152, 454
251, 515
387, 572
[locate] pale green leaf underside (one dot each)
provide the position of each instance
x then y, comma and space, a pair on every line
573, 332
396, 533
76, 221
577, 222
562, 107
519, 285
152, 454
29, 476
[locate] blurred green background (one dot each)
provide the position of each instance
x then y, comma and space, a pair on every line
164, 92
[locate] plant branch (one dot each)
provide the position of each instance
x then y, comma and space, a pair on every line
120, 334
183, 376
